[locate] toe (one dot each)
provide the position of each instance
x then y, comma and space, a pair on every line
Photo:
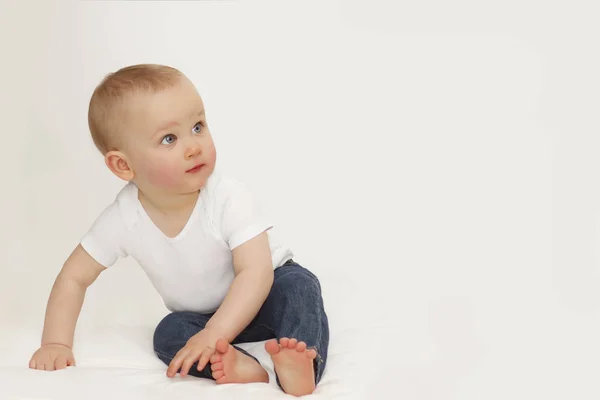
221, 380
300, 347
216, 366
216, 357
222, 346
292, 344
218, 374
284, 341
312, 353
272, 347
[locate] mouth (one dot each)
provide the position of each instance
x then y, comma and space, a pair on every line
195, 169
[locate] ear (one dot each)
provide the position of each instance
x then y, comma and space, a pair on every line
117, 163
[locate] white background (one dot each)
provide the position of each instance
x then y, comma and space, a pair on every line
434, 163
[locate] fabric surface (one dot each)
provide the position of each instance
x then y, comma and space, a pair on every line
115, 356
117, 362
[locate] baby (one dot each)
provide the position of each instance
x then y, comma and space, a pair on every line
201, 239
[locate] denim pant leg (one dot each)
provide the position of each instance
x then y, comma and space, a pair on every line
293, 309
172, 334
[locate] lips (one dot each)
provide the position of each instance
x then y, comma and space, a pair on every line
195, 169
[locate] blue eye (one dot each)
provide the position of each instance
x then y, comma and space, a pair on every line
169, 139
197, 128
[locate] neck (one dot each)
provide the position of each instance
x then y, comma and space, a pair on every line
168, 203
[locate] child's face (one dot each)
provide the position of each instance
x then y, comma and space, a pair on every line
167, 138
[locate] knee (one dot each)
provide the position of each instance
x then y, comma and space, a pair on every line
298, 285
168, 328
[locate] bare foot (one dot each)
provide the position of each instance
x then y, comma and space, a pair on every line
293, 365
232, 366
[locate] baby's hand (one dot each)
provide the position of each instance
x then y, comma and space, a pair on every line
52, 356
199, 347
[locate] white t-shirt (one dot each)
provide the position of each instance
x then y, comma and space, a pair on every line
192, 271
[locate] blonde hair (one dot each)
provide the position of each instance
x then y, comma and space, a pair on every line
106, 111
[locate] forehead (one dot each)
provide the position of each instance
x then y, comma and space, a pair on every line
150, 110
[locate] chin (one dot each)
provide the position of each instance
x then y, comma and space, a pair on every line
199, 183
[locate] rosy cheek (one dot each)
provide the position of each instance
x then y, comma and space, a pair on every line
163, 174
211, 157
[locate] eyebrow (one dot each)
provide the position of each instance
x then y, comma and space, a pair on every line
171, 124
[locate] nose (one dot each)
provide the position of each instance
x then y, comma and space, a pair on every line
192, 150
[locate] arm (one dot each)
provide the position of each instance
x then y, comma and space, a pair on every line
66, 298
253, 268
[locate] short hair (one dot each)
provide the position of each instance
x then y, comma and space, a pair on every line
106, 112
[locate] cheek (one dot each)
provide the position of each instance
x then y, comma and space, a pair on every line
211, 155
163, 173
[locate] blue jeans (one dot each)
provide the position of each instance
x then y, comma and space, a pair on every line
293, 309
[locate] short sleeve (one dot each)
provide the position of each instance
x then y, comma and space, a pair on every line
104, 239
242, 217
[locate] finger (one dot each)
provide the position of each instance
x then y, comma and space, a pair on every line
188, 362
178, 360
205, 357
48, 364
60, 363
175, 363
